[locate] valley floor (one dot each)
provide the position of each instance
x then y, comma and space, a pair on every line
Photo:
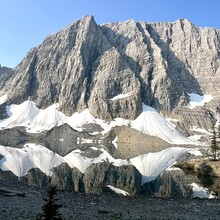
79, 206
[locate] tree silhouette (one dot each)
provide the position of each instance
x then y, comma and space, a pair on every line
51, 207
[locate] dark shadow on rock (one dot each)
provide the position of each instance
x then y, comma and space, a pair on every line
170, 184
177, 72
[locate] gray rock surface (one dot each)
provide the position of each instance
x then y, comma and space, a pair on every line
127, 178
66, 178
5, 73
94, 177
93, 181
99, 175
173, 184
35, 177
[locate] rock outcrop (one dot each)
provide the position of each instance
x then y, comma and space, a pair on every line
66, 178
202, 166
170, 184
35, 177
5, 74
99, 175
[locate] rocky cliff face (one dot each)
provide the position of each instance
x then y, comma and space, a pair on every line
86, 65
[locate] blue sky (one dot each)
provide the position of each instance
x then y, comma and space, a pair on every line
25, 23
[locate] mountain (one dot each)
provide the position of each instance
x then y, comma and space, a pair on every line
87, 65
110, 92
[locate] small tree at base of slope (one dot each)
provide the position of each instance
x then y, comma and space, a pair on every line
50, 210
215, 142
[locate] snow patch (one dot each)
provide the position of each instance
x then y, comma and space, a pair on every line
199, 192
198, 100
94, 148
86, 141
195, 137
122, 96
114, 142
77, 120
201, 130
3, 99
173, 169
118, 191
94, 133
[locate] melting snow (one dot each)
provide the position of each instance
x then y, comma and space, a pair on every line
116, 122
118, 191
197, 100
122, 96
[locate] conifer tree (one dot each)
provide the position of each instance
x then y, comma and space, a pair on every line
51, 207
215, 141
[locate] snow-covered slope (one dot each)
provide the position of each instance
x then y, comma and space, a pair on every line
150, 165
36, 120
19, 161
152, 123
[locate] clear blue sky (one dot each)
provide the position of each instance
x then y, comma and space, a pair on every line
25, 23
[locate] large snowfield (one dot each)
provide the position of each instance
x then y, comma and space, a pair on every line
36, 120
21, 160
